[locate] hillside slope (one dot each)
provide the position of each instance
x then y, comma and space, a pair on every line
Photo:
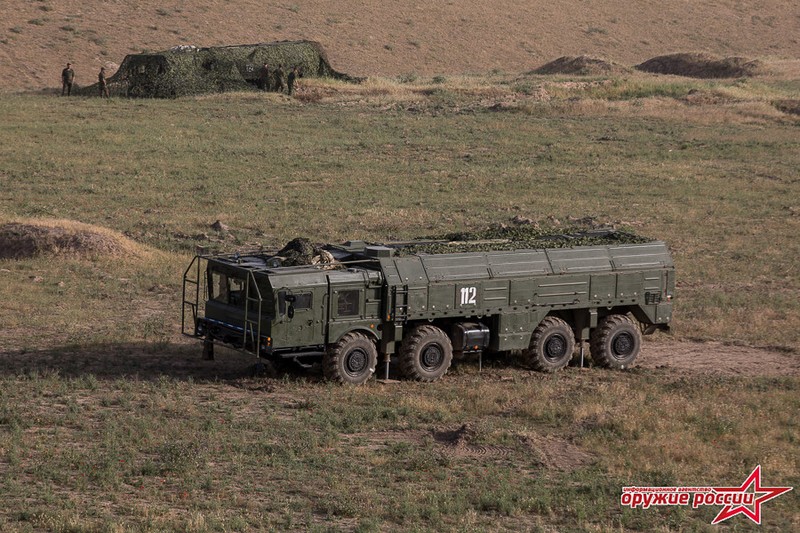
387, 38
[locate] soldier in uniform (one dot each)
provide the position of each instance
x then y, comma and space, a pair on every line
263, 78
102, 84
67, 77
279, 78
293, 75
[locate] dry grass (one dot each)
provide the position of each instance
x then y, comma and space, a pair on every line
109, 420
385, 38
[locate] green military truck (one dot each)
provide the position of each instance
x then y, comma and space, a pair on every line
370, 303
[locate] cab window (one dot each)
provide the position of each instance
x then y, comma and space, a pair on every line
226, 289
347, 304
299, 301
303, 301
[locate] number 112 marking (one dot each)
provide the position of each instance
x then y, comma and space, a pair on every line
468, 295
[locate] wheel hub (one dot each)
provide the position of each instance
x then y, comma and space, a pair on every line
432, 357
622, 345
356, 362
555, 348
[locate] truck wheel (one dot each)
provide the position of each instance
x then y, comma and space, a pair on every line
426, 354
352, 360
552, 344
615, 342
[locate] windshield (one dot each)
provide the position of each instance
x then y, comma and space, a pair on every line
226, 289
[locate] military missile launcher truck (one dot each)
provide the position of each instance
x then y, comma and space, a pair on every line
370, 303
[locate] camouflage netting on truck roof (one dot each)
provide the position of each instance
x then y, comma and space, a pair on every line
188, 70
501, 237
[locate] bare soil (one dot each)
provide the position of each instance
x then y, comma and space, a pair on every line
375, 37
182, 360
718, 358
24, 240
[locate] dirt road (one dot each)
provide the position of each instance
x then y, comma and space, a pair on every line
718, 358
183, 361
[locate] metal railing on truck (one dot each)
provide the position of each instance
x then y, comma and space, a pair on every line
194, 280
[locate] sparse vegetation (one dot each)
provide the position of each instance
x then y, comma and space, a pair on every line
110, 421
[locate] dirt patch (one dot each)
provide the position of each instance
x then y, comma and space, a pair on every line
460, 442
718, 358
551, 452
791, 107
556, 453
20, 240
581, 65
703, 66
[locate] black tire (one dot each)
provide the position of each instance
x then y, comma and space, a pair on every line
425, 354
552, 344
352, 360
615, 342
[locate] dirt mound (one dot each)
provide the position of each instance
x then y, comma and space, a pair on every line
792, 107
581, 65
703, 66
20, 240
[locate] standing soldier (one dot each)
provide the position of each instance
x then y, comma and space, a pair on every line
102, 84
279, 78
67, 77
263, 78
293, 75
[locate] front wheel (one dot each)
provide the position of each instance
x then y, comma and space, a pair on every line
426, 354
352, 360
551, 346
615, 342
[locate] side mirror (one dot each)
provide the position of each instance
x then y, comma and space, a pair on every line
290, 298
290, 311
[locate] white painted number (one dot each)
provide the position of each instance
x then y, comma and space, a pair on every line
468, 295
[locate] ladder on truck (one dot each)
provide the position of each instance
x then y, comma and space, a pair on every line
252, 325
399, 303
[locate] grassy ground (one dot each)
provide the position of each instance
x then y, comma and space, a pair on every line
508, 449
108, 422
718, 182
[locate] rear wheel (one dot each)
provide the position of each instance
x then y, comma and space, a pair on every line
551, 346
615, 342
426, 354
352, 360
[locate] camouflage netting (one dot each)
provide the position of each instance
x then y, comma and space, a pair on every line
524, 234
502, 237
581, 65
187, 70
301, 251
703, 66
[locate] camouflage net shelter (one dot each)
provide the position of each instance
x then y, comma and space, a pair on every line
188, 70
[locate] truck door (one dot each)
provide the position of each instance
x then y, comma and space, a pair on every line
300, 309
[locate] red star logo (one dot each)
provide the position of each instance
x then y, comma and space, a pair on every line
755, 514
